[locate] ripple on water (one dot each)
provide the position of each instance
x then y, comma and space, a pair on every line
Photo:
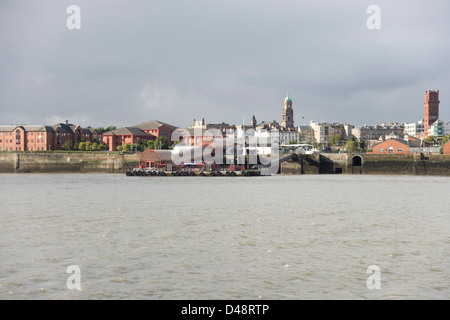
317, 245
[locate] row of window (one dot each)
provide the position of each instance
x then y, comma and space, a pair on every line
20, 149
391, 150
17, 132
19, 142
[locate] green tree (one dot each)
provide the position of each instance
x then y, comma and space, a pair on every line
82, 146
88, 146
353, 138
445, 139
140, 145
430, 139
315, 145
101, 147
336, 139
293, 141
68, 145
102, 130
150, 145
175, 143
350, 146
161, 143
125, 148
362, 145
94, 146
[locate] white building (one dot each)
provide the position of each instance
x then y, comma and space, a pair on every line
414, 129
288, 135
446, 128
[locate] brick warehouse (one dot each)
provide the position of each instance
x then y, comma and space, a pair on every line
394, 146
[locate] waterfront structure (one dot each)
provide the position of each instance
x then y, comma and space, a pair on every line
431, 109
43, 137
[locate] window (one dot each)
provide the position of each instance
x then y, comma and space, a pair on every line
381, 149
391, 149
400, 149
18, 137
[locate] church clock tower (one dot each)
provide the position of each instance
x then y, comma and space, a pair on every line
287, 115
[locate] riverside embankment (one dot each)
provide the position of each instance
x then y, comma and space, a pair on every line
327, 163
330, 163
66, 162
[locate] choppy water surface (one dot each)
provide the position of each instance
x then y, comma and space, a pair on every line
279, 237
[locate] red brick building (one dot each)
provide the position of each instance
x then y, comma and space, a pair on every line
157, 129
394, 146
42, 137
26, 138
446, 149
129, 135
431, 109
147, 131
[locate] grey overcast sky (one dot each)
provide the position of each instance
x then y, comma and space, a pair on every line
223, 60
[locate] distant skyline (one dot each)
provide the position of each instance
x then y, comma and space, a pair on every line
175, 60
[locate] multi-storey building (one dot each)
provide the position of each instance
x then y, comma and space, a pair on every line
43, 138
436, 129
147, 131
377, 132
306, 134
322, 131
414, 129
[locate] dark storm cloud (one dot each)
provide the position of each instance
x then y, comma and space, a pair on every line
222, 60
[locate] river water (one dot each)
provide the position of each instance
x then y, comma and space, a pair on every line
275, 237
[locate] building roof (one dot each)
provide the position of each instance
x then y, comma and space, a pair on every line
65, 127
271, 124
153, 125
287, 99
34, 128
413, 143
128, 131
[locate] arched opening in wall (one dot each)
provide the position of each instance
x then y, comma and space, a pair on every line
356, 164
357, 161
